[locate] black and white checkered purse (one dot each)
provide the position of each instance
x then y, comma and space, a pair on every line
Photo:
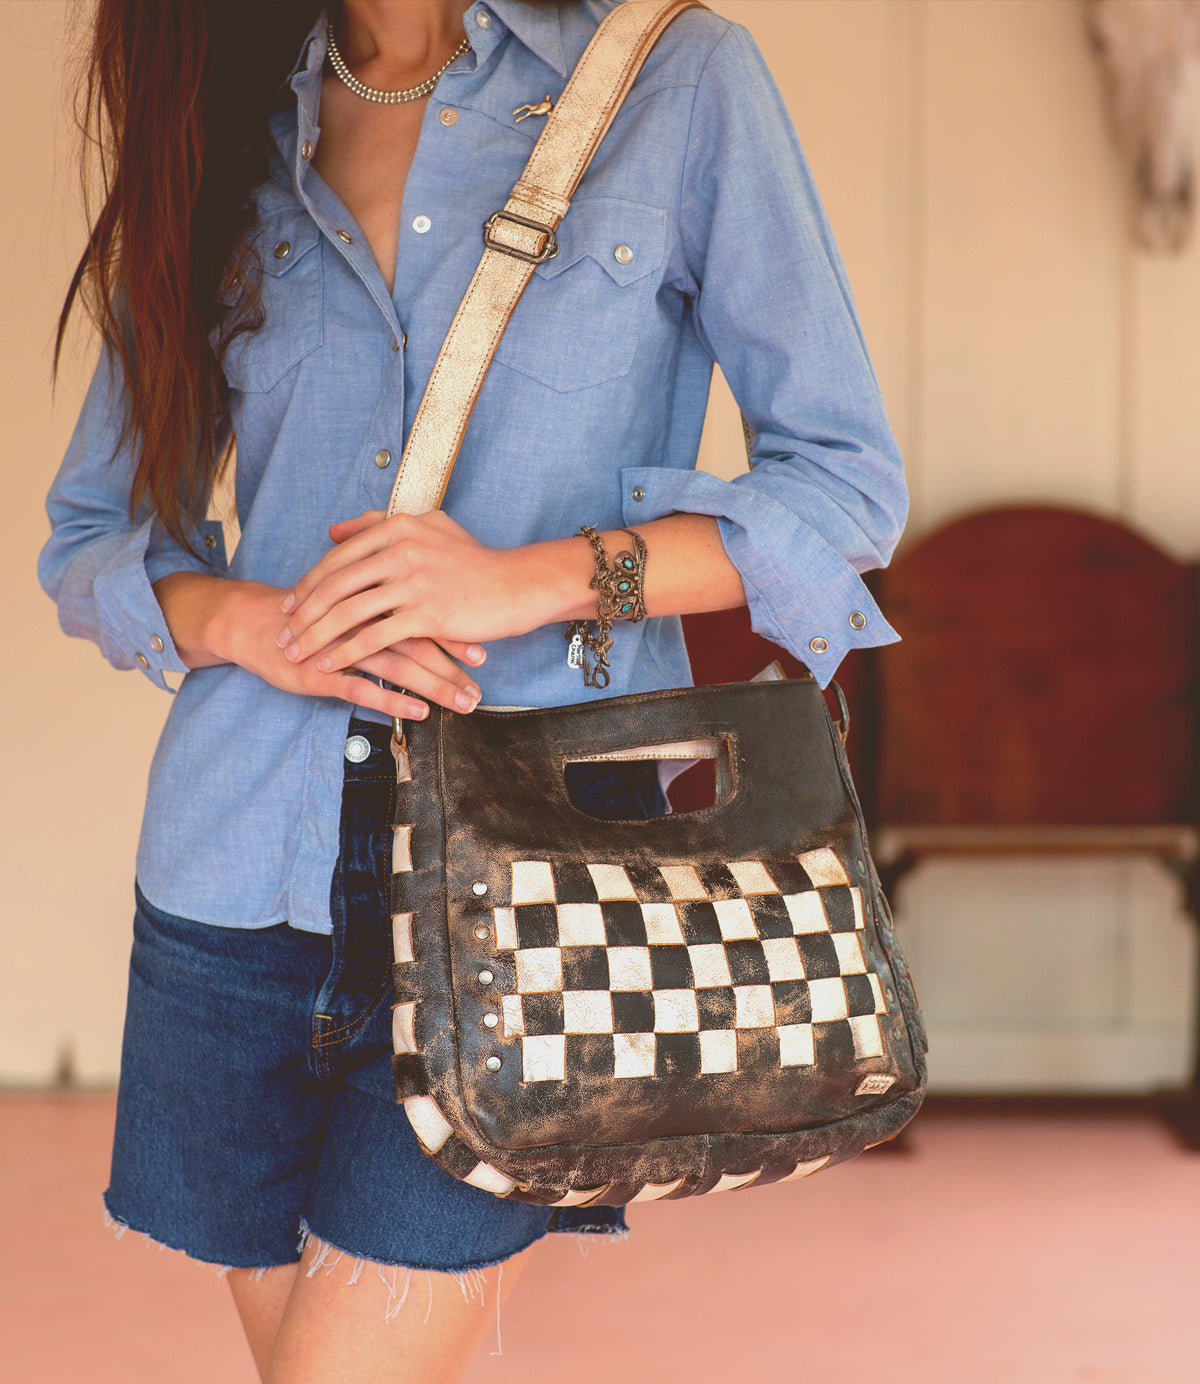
599, 1012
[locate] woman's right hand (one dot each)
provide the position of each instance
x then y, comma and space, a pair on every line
214, 620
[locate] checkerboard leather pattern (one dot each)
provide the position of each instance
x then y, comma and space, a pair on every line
606, 1012
676, 970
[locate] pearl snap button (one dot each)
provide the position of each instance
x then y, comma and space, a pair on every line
156, 643
623, 254
638, 493
479, 889
382, 457
858, 620
358, 748
483, 19
306, 148
491, 1020
481, 931
283, 249
143, 661
819, 645
493, 1064
421, 224
449, 117
346, 236
486, 977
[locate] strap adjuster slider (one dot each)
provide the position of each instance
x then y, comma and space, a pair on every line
547, 252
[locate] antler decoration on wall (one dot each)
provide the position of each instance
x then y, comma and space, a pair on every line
1151, 52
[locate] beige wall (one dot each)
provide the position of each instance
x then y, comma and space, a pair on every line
1026, 352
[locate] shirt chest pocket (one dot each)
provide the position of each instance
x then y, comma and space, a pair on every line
583, 313
290, 250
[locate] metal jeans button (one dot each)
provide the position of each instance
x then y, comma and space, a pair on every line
358, 748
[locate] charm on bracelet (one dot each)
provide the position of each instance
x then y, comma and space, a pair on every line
620, 595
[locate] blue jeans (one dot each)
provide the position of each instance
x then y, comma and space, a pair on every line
256, 1100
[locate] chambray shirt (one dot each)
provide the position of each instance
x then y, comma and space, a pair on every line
591, 413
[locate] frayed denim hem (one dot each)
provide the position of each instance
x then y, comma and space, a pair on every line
121, 1227
472, 1281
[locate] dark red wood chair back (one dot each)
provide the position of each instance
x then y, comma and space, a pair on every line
1048, 674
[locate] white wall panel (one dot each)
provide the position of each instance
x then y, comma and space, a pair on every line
843, 69
1022, 262
1164, 392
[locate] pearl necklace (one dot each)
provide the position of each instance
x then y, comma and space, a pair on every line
387, 98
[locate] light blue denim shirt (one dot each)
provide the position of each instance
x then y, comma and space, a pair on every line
592, 414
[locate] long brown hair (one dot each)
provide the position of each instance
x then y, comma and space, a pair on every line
175, 104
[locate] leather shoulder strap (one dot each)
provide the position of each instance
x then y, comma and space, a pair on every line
521, 236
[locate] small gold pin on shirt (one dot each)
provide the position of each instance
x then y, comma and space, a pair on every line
542, 108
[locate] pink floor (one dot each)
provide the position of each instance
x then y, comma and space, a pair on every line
997, 1250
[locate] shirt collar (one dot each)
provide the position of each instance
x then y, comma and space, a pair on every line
536, 26
311, 56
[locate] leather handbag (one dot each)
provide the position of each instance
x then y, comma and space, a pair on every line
603, 1012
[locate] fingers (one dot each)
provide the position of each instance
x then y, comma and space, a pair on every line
363, 692
449, 687
370, 538
430, 655
342, 601
366, 641
347, 528
474, 654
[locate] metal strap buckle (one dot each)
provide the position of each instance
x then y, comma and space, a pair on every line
547, 252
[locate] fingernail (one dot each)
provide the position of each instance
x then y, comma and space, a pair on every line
418, 713
284, 637
323, 664
477, 653
288, 602
465, 702
293, 652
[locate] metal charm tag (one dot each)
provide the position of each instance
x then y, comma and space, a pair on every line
575, 651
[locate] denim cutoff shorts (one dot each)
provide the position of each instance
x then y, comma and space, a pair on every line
256, 1104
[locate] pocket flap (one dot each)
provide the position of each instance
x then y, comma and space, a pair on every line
603, 227
284, 240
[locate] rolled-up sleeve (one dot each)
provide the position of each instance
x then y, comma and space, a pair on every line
824, 498
99, 564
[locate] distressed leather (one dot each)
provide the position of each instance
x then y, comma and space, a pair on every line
487, 791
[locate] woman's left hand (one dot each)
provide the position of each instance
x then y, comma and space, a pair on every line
407, 577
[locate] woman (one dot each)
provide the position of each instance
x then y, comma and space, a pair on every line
279, 256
